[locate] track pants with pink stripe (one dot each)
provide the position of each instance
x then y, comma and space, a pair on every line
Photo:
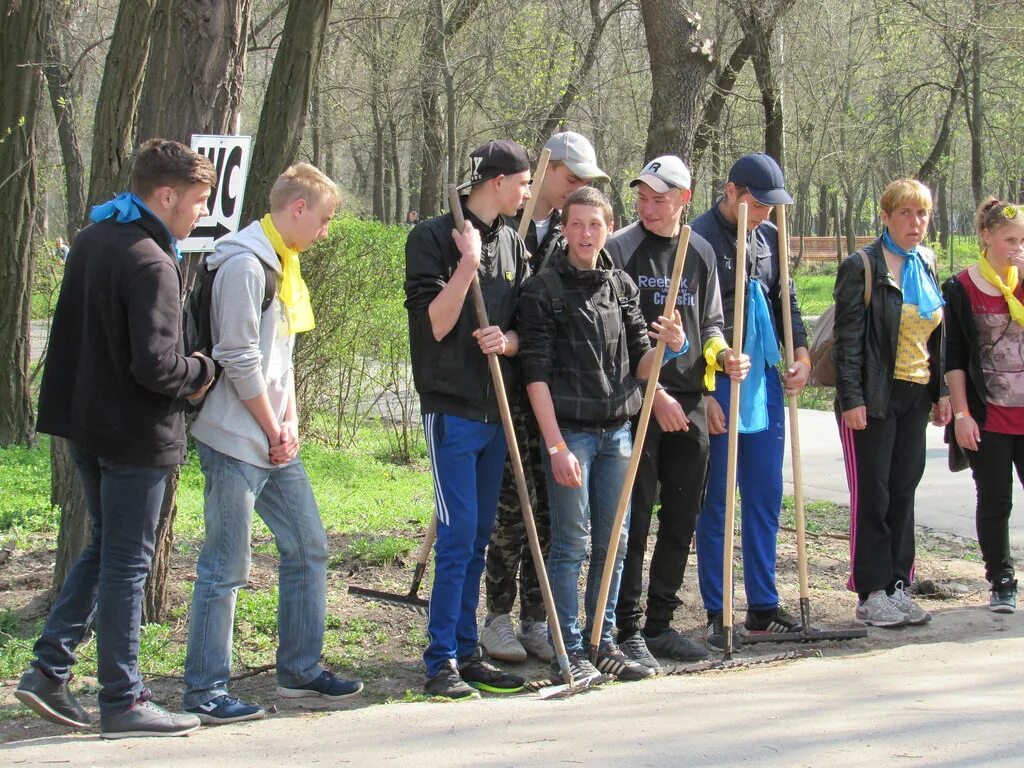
884, 464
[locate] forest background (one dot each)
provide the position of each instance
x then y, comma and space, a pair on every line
389, 96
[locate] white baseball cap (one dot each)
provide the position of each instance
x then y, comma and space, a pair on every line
664, 173
577, 153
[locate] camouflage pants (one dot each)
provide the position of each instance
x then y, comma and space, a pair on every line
508, 554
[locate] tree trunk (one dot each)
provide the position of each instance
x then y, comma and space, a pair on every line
976, 118
396, 165
195, 70
707, 132
930, 169
577, 79
678, 76
822, 228
63, 103
23, 36
433, 66
286, 102
75, 527
113, 138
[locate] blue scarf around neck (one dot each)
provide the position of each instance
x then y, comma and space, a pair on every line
918, 286
128, 207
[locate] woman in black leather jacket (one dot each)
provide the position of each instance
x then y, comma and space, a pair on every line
888, 372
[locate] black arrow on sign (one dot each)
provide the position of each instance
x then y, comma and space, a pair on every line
215, 231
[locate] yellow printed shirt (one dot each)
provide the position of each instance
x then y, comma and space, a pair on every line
912, 345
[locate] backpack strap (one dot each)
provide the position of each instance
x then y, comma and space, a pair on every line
869, 278
553, 284
269, 286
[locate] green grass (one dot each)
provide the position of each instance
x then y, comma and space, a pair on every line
25, 502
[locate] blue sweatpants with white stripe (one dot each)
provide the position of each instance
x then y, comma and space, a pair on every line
759, 476
467, 459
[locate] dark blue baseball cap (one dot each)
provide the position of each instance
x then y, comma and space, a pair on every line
762, 177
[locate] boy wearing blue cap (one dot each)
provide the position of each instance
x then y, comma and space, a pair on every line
756, 180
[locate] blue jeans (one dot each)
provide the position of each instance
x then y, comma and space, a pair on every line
283, 498
106, 582
759, 476
467, 459
576, 513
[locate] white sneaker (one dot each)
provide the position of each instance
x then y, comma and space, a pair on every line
534, 637
915, 613
499, 639
880, 610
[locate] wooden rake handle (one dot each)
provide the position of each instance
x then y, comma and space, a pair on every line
638, 446
794, 418
733, 427
517, 464
531, 204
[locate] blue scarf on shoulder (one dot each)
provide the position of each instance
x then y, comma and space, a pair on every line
128, 207
917, 284
762, 347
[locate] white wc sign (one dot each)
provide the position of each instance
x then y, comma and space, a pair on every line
230, 157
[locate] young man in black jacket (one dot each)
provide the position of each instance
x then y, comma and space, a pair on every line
460, 410
676, 447
115, 386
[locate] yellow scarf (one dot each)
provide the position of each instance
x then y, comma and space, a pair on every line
1012, 278
292, 291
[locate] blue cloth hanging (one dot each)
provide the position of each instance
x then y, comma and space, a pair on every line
762, 347
917, 284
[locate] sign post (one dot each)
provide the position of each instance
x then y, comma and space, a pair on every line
230, 157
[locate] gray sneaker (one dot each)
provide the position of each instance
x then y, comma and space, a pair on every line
50, 699
636, 649
144, 718
880, 610
534, 637
915, 614
499, 639
673, 644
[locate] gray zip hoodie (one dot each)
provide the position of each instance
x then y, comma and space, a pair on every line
247, 344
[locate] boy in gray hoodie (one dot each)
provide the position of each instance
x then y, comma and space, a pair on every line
247, 439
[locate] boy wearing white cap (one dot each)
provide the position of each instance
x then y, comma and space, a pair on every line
573, 164
676, 447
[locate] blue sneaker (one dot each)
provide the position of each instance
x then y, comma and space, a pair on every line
226, 709
327, 686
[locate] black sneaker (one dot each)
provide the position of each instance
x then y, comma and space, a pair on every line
448, 684
611, 660
327, 686
714, 635
673, 644
778, 622
50, 699
579, 665
1003, 598
487, 677
636, 648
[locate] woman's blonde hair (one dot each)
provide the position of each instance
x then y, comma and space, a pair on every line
902, 191
302, 181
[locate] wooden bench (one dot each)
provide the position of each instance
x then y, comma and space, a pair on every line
822, 248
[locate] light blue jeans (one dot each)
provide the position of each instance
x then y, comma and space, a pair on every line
576, 513
283, 498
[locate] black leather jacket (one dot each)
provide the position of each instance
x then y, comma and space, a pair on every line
865, 338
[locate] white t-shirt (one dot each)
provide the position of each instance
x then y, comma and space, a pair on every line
542, 229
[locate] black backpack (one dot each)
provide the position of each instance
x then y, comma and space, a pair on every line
197, 329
